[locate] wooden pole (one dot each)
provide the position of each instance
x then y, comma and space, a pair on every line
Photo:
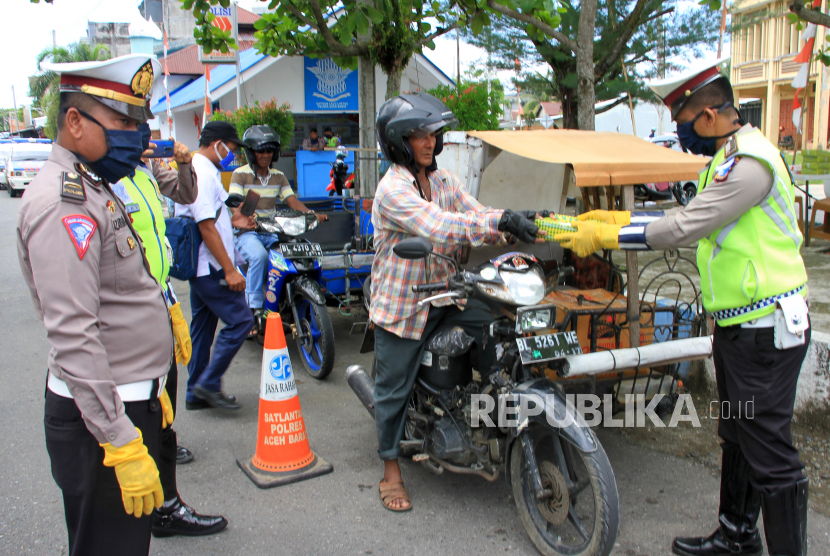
633, 276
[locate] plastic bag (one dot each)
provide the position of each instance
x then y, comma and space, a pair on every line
450, 341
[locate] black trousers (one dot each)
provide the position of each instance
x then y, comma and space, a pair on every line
757, 386
95, 518
167, 459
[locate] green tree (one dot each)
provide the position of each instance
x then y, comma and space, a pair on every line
44, 88
388, 32
475, 107
625, 30
269, 113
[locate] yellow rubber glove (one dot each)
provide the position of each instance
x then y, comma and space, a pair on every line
590, 237
137, 475
167, 414
184, 346
622, 217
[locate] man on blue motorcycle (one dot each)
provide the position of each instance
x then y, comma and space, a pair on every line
262, 149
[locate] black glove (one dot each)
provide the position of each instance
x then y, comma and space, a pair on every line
531, 214
516, 224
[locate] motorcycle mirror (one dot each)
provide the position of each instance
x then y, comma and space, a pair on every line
234, 200
413, 248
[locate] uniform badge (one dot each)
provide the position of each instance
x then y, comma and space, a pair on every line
121, 192
111, 206
72, 187
80, 230
731, 147
722, 171
131, 243
87, 173
142, 80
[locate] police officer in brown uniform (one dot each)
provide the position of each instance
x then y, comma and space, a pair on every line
105, 315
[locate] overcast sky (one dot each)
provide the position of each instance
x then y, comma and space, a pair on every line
29, 30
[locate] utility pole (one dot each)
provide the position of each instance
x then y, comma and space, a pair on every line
54, 40
368, 167
722, 29
458, 56
661, 68
238, 55
16, 118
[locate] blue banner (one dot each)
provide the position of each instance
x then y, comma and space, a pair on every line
328, 87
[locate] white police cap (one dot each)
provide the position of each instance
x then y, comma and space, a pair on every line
124, 83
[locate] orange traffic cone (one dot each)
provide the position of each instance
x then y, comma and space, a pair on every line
283, 455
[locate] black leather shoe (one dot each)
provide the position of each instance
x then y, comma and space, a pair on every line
181, 519
717, 545
217, 400
740, 506
183, 455
785, 519
202, 404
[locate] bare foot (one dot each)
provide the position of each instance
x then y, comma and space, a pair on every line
392, 474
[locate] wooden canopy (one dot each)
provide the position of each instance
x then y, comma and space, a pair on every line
599, 158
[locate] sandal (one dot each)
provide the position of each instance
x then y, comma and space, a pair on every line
389, 492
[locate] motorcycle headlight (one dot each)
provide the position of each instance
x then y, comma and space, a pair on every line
525, 288
293, 226
535, 318
270, 227
496, 291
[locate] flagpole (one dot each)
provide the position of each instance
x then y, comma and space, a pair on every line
804, 108
167, 90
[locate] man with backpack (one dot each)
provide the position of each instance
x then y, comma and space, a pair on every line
218, 289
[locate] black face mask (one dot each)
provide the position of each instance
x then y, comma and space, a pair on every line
124, 150
698, 144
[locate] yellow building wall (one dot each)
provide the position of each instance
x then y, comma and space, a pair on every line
764, 45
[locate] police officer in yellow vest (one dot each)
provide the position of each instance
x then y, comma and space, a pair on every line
141, 194
754, 284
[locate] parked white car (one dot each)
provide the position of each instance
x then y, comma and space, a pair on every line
4, 150
23, 161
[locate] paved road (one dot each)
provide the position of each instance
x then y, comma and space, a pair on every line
337, 514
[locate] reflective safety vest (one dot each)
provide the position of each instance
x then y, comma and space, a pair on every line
749, 263
140, 194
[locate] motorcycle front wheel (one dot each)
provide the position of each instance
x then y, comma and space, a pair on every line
317, 347
582, 515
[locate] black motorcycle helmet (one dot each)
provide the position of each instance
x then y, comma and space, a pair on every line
400, 116
258, 137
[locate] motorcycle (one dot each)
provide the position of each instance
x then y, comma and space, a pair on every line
665, 191
292, 289
562, 482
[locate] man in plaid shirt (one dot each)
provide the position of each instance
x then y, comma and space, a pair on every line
416, 199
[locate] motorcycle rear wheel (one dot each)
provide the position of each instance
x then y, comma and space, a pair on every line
583, 515
317, 348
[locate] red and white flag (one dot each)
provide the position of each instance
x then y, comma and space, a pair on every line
804, 57
208, 101
797, 111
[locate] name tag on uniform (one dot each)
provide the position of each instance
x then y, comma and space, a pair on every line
72, 187
122, 194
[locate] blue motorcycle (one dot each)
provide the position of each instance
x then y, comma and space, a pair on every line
292, 289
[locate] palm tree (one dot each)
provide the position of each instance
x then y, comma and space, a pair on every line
44, 87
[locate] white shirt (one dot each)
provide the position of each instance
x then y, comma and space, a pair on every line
210, 200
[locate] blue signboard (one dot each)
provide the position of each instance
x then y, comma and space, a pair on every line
328, 87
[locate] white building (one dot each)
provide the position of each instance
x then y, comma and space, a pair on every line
320, 94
